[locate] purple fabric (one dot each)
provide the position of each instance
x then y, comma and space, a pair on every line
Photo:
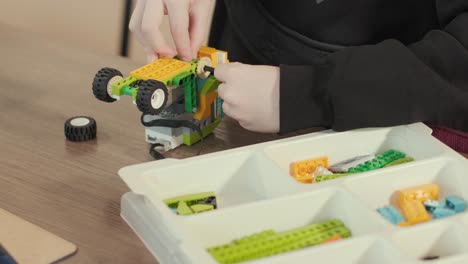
455, 139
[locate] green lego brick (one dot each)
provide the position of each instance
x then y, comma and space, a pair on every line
171, 202
270, 243
245, 240
210, 85
399, 161
255, 237
198, 208
130, 91
378, 162
118, 86
276, 244
183, 209
186, 79
326, 177
194, 137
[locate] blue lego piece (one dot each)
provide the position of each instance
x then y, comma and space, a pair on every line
391, 214
431, 205
455, 203
219, 107
442, 212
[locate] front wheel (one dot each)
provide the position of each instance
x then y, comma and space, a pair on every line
102, 84
151, 97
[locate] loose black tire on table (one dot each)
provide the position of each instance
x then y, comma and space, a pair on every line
151, 97
80, 128
102, 81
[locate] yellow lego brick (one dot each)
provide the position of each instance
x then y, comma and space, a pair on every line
304, 168
414, 212
419, 193
162, 69
216, 56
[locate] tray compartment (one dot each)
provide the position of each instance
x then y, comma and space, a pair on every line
378, 189
282, 214
235, 178
445, 239
342, 146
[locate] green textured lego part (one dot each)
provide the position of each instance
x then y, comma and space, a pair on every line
194, 137
378, 162
188, 82
183, 209
118, 86
255, 237
269, 243
130, 91
172, 202
210, 85
399, 161
198, 208
326, 177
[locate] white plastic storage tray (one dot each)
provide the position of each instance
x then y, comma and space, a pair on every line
255, 192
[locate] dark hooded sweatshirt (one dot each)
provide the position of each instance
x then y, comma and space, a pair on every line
352, 64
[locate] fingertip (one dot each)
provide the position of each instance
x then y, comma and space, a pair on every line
220, 72
150, 57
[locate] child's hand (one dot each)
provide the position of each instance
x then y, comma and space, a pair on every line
188, 21
251, 95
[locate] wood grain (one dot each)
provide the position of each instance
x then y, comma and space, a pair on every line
72, 189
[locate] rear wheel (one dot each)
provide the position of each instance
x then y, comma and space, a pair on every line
151, 97
102, 84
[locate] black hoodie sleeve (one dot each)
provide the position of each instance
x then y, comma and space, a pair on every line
385, 84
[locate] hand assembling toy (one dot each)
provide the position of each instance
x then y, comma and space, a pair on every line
251, 95
343, 64
188, 21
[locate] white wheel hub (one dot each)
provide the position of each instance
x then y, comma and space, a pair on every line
80, 121
157, 99
204, 61
113, 80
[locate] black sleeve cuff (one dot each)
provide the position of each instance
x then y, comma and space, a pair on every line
304, 100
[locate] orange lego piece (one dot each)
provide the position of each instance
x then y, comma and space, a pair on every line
419, 193
204, 107
304, 178
414, 212
302, 170
216, 56
332, 239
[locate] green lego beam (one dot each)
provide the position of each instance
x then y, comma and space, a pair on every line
117, 88
171, 202
378, 162
210, 85
399, 161
270, 243
326, 177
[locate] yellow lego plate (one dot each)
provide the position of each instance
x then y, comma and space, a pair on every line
161, 69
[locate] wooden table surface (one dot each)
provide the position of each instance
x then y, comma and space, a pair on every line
72, 189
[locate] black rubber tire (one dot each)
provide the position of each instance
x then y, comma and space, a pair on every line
146, 90
80, 132
101, 79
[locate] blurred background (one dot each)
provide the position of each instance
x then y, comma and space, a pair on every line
97, 25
